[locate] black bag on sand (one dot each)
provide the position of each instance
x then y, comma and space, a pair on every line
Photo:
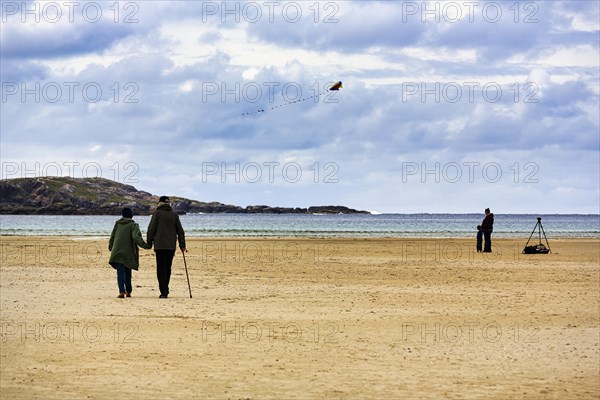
536, 249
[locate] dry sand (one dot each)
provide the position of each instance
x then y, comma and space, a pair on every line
302, 318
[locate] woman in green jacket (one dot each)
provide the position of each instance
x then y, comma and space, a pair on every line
123, 246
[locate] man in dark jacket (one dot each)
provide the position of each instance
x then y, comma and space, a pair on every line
487, 226
164, 232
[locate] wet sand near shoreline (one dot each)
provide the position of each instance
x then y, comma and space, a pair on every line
302, 318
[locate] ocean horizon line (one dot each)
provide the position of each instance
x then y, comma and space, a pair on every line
373, 213
308, 225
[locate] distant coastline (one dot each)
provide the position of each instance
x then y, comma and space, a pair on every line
100, 196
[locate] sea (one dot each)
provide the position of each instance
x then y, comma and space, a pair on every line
319, 226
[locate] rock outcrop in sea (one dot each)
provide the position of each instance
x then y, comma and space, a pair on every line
100, 196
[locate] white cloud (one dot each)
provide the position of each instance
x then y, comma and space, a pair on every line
368, 134
573, 56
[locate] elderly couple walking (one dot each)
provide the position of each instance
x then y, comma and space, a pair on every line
164, 231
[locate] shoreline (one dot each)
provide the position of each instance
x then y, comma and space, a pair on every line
433, 226
494, 238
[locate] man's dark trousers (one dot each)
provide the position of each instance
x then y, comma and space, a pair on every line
164, 260
487, 236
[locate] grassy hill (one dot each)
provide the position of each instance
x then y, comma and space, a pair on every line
100, 196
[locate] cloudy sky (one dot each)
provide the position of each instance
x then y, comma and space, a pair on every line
445, 106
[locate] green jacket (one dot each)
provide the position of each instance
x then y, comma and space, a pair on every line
165, 229
123, 244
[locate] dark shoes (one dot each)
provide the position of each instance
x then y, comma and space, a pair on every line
128, 294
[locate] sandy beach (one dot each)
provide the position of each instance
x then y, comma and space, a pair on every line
302, 318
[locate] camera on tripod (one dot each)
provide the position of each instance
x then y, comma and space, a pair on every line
537, 248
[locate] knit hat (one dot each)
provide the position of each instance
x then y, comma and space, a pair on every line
127, 213
164, 199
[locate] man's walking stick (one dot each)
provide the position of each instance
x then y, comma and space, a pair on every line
186, 273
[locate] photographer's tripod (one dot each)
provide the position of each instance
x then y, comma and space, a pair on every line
540, 248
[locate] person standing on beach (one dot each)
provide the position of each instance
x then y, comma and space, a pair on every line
164, 231
123, 246
485, 231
